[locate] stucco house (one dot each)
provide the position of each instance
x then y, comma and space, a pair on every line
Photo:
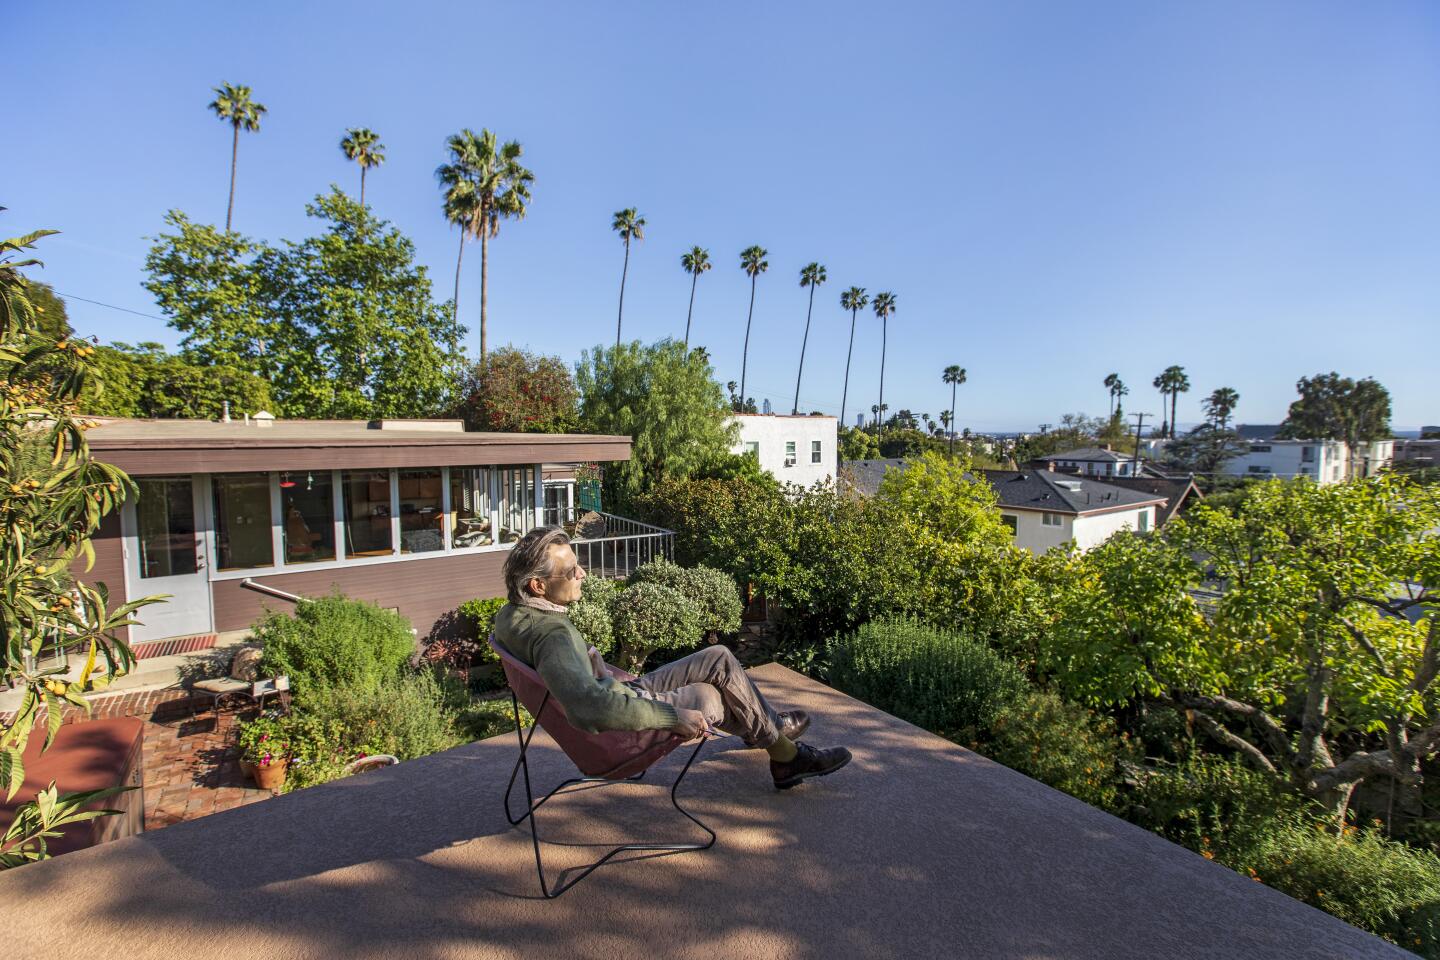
415, 515
1324, 461
1094, 462
794, 449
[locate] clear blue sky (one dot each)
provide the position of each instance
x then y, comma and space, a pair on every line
1054, 191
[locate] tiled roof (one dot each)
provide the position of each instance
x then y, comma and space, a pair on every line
1061, 492
1092, 455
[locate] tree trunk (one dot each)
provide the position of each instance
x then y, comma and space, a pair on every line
234, 155
693, 279
881, 412
953, 388
623, 271
485, 215
1174, 396
745, 356
455, 306
362, 184
845, 391
795, 408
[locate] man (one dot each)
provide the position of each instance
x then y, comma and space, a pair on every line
543, 577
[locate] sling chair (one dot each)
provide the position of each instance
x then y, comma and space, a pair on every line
613, 756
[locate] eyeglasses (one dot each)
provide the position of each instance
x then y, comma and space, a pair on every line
572, 574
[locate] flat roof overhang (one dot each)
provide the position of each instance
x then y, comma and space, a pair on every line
275, 448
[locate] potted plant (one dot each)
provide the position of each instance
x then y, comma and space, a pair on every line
265, 748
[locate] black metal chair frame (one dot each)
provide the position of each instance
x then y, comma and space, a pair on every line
522, 766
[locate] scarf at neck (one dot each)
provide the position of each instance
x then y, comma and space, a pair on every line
540, 603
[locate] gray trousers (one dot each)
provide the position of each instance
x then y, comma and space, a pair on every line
713, 682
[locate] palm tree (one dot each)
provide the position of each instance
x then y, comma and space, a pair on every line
696, 262
953, 375
883, 305
501, 188
853, 300
811, 275
753, 262
1120, 391
233, 105
1220, 404
947, 418
1110, 381
363, 145
629, 224
1171, 382
462, 208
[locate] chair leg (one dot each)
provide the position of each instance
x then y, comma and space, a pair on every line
522, 766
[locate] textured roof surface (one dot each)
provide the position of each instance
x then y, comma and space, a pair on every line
311, 432
1043, 490
1092, 455
918, 849
865, 475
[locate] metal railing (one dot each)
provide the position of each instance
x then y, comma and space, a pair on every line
623, 545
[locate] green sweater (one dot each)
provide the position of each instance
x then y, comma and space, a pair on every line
550, 643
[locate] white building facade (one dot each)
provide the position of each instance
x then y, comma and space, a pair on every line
800, 449
1041, 531
1324, 461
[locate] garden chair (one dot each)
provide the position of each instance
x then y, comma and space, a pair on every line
610, 757
243, 680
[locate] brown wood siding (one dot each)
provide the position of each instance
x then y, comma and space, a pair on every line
154, 458
425, 591
109, 567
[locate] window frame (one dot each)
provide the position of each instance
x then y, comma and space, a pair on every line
1045, 520
817, 451
791, 456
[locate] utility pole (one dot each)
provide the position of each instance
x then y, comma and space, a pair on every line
1044, 429
1139, 425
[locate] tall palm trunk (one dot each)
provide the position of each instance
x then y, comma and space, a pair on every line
845, 391
362, 185
953, 388
234, 156
455, 304
1112, 404
884, 325
693, 278
1174, 396
623, 271
484, 277
794, 409
745, 356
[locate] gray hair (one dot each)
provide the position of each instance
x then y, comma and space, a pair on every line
530, 560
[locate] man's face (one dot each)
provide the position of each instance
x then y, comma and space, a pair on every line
563, 587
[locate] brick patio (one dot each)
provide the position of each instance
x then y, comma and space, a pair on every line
191, 764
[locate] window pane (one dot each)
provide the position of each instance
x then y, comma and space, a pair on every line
517, 502
242, 521
470, 506
367, 513
814, 451
165, 514
308, 506
421, 519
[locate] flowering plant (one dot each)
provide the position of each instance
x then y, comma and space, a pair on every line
265, 740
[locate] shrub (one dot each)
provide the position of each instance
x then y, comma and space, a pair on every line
649, 617
335, 641
1216, 807
480, 615
711, 590
941, 680
591, 614
408, 716
1060, 744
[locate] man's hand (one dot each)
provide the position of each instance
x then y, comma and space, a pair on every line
597, 664
691, 723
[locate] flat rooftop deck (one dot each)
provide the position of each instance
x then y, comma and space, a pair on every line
919, 849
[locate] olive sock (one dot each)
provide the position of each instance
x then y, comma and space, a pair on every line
782, 750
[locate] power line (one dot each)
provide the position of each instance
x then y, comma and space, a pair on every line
148, 316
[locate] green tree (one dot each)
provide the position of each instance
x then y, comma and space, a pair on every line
51, 317
753, 262
696, 261
341, 324
856, 444
52, 501
1220, 405
811, 275
663, 397
363, 145
953, 375
883, 305
497, 188
1332, 407
1204, 450
144, 381
630, 226
519, 392
853, 300
1111, 379
1172, 382
233, 104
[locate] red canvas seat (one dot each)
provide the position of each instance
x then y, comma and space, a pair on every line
610, 756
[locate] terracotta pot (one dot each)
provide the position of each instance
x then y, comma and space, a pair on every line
247, 768
271, 776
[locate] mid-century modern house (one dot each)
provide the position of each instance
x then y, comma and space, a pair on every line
414, 515
794, 449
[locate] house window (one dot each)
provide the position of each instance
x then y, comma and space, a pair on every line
242, 521
307, 504
752, 447
470, 506
421, 511
517, 502
165, 514
1258, 469
789, 453
1052, 520
1259, 448
1307, 454
814, 451
1142, 522
367, 513
1010, 521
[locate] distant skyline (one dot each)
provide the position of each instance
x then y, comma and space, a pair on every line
1053, 191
